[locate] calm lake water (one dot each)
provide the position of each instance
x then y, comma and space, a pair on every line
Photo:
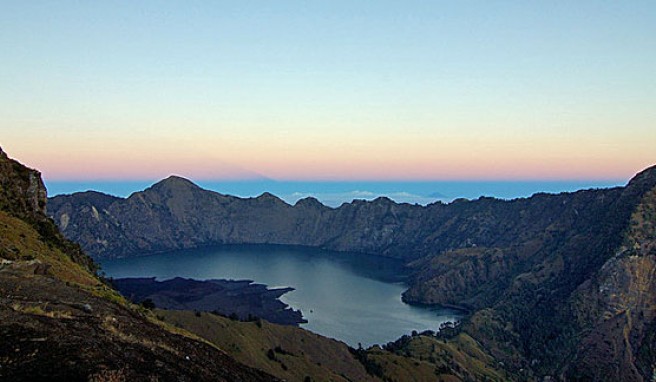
351, 297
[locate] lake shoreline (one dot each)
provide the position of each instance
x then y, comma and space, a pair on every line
351, 297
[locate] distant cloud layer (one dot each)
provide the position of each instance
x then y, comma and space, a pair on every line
337, 199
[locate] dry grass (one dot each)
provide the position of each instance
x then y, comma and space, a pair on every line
108, 376
21, 243
41, 310
108, 325
300, 353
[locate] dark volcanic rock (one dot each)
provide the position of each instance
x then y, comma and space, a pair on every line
176, 214
22, 192
226, 297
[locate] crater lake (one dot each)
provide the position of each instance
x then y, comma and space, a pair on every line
351, 297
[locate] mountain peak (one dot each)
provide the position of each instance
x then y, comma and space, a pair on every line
309, 202
269, 197
175, 182
644, 180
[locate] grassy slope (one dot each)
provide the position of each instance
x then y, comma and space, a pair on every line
19, 241
299, 354
59, 321
426, 358
305, 354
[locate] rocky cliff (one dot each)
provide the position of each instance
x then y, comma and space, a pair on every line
616, 308
22, 192
175, 214
576, 300
556, 283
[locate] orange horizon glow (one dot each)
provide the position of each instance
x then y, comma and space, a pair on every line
299, 165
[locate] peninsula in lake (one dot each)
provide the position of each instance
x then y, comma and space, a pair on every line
241, 299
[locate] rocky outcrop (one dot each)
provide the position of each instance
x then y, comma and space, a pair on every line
616, 309
23, 195
22, 191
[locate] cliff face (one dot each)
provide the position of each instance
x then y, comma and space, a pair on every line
555, 283
175, 213
581, 307
22, 192
617, 307
23, 196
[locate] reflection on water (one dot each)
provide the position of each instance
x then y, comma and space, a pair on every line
351, 297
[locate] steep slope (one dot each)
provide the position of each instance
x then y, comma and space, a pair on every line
287, 352
617, 306
294, 354
577, 302
175, 213
58, 321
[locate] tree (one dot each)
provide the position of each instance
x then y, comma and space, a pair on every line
148, 304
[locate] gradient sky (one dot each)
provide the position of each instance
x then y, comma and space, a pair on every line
329, 90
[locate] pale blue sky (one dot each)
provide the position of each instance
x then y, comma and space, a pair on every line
259, 86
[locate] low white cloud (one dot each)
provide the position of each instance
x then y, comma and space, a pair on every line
339, 198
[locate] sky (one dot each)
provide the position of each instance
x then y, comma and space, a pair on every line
329, 90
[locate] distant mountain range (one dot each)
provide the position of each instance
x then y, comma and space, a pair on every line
558, 284
336, 193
